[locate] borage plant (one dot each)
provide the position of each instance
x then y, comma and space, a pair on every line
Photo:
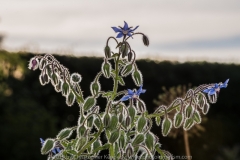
127, 126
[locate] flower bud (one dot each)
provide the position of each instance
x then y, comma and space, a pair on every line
64, 134
58, 87
41, 79
47, 146
128, 121
106, 120
137, 77
129, 150
188, 111
212, 98
127, 69
178, 119
81, 130
75, 78
158, 121
114, 136
124, 49
139, 138
96, 145
122, 141
141, 124
188, 124
49, 70
145, 40
106, 69
196, 117
97, 123
113, 123
132, 112
54, 79
202, 102
33, 63
120, 118
141, 106
46, 78
42, 63
205, 109
107, 52
70, 99
95, 109
89, 102
95, 88
166, 126
80, 143
90, 122
130, 55
121, 81
65, 88
150, 140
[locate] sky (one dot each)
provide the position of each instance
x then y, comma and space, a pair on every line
186, 30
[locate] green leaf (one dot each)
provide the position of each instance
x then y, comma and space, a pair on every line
72, 152
114, 136
47, 146
115, 55
107, 94
65, 133
138, 139
89, 102
121, 81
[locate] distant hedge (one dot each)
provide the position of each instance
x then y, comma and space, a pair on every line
29, 111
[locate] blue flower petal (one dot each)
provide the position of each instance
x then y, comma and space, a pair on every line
131, 30
129, 34
211, 92
139, 90
119, 35
130, 92
207, 90
126, 97
53, 150
116, 29
143, 91
58, 150
225, 84
125, 26
42, 141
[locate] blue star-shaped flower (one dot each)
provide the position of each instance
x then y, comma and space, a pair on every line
55, 150
124, 31
133, 94
216, 88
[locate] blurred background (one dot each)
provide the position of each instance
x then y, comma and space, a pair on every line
191, 43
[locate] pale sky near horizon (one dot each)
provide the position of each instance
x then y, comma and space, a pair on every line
178, 30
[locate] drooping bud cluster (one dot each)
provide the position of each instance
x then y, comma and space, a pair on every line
59, 76
188, 108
